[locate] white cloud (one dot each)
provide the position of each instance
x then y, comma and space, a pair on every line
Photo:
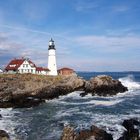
7, 45
121, 8
108, 43
128, 31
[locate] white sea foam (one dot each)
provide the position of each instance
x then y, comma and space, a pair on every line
6, 122
129, 82
113, 122
92, 102
106, 103
64, 113
72, 95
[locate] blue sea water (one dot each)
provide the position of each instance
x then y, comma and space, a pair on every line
46, 121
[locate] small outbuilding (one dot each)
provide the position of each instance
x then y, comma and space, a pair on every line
66, 71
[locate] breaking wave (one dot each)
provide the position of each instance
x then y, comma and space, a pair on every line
74, 98
130, 82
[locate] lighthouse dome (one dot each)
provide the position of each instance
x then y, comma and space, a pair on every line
51, 44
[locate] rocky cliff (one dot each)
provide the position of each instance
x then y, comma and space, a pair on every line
25, 90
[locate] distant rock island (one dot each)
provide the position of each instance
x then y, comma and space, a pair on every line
27, 90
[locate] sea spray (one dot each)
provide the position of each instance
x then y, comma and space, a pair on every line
130, 82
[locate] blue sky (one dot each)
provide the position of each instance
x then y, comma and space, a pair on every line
90, 35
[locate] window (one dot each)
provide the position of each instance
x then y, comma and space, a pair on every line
12, 65
26, 65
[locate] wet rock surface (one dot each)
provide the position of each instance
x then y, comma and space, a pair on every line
4, 135
132, 131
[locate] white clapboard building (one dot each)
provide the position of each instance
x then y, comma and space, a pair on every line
25, 66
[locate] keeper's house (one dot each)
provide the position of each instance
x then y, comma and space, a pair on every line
66, 71
24, 66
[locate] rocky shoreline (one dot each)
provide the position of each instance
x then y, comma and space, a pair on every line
27, 90
94, 133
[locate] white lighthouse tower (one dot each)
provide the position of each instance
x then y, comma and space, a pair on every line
52, 59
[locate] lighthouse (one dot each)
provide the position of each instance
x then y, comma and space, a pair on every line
52, 59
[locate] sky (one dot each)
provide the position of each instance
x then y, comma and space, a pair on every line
90, 35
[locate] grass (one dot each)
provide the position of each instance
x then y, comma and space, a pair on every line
33, 77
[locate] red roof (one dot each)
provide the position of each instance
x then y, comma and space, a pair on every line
30, 62
65, 69
14, 64
41, 69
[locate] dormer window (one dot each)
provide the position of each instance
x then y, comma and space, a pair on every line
12, 65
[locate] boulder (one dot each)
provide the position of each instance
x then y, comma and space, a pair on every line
4, 135
104, 85
94, 133
131, 133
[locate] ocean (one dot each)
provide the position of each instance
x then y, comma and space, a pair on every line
46, 121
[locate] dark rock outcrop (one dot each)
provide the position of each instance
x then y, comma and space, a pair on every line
104, 85
21, 103
4, 135
131, 133
94, 133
